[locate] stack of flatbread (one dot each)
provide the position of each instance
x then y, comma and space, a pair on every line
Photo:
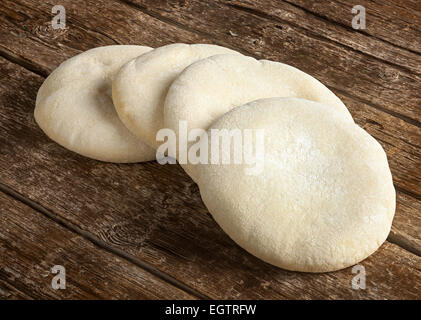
322, 198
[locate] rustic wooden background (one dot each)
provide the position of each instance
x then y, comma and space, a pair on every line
141, 230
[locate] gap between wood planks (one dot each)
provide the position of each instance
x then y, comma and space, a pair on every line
100, 243
28, 65
409, 120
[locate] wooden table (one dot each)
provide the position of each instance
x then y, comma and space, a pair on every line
141, 230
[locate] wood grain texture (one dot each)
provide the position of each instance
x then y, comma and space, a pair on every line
340, 67
340, 32
155, 214
31, 244
8, 292
393, 21
26, 30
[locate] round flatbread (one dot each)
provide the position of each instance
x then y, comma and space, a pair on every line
74, 106
207, 89
324, 197
140, 87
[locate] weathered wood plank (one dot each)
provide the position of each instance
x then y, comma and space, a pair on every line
341, 33
27, 34
155, 214
395, 21
7, 291
31, 244
337, 66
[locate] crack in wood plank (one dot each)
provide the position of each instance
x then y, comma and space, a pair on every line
409, 193
404, 243
21, 61
378, 107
